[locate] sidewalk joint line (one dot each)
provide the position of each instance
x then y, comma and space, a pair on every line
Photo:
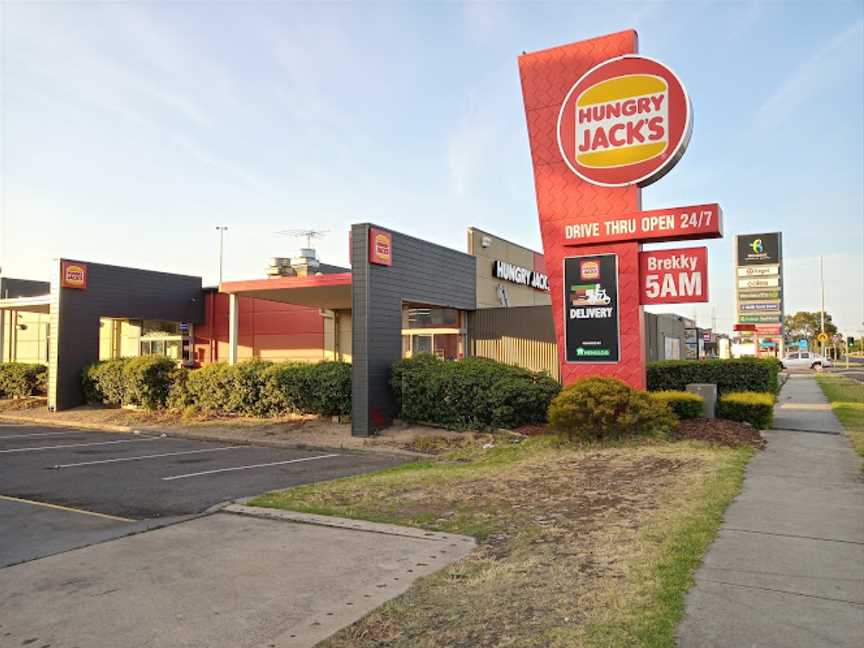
789, 429
780, 591
792, 535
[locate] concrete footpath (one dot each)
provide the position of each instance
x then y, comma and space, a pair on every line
787, 569
242, 578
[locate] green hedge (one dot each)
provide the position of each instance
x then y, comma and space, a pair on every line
606, 408
143, 381
744, 374
251, 388
756, 408
470, 393
19, 379
684, 404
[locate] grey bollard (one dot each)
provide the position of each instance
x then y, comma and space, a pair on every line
708, 391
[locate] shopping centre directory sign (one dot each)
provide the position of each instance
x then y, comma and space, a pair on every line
759, 287
604, 122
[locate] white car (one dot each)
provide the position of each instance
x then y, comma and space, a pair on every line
804, 360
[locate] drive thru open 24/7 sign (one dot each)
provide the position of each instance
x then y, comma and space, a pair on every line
603, 122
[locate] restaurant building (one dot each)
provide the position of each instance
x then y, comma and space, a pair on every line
400, 297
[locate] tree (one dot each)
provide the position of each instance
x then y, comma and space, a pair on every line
806, 325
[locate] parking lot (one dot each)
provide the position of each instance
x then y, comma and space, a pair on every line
65, 488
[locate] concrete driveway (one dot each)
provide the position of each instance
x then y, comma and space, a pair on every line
226, 580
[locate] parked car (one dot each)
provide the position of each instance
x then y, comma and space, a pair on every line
804, 360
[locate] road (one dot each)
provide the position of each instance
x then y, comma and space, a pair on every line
64, 488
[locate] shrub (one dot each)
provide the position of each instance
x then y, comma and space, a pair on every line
258, 388
756, 408
104, 382
245, 395
19, 379
607, 408
474, 392
330, 393
683, 404
178, 393
209, 388
750, 374
147, 381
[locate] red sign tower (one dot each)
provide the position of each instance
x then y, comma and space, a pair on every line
602, 123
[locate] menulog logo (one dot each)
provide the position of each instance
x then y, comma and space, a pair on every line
626, 121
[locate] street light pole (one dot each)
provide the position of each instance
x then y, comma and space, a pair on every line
222, 229
822, 304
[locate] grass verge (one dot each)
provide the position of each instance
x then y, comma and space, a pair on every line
847, 401
579, 546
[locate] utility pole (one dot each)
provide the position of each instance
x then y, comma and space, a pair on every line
221, 229
822, 305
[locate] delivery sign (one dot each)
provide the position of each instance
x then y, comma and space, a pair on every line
626, 121
673, 276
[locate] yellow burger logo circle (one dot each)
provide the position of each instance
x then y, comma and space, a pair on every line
626, 121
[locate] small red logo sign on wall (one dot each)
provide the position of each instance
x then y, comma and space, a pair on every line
73, 275
674, 276
380, 247
626, 121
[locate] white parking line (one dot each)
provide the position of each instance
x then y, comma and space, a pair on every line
264, 465
151, 456
37, 434
77, 445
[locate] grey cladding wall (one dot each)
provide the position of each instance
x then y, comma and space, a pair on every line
422, 272
112, 291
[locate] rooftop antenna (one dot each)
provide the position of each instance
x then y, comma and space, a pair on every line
301, 233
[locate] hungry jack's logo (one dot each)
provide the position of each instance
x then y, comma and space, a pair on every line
626, 121
73, 275
380, 247
589, 270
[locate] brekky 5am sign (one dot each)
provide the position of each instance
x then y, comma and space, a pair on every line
604, 122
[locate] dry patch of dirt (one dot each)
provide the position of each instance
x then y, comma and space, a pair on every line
559, 530
719, 431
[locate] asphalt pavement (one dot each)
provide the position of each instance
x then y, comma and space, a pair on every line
787, 568
66, 488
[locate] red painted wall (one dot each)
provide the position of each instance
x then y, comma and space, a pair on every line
563, 197
265, 326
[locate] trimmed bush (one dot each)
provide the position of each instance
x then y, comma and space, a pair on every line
684, 404
18, 379
606, 408
744, 374
755, 408
470, 393
104, 382
323, 388
209, 388
147, 381
252, 388
330, 393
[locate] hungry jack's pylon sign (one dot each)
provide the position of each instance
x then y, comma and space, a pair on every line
602, 123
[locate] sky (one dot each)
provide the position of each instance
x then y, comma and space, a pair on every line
130, 130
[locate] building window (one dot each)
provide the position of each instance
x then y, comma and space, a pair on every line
432, 329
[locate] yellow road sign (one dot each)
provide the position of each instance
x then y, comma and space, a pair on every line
822, 337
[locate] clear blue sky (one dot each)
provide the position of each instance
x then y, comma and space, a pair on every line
130, 130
